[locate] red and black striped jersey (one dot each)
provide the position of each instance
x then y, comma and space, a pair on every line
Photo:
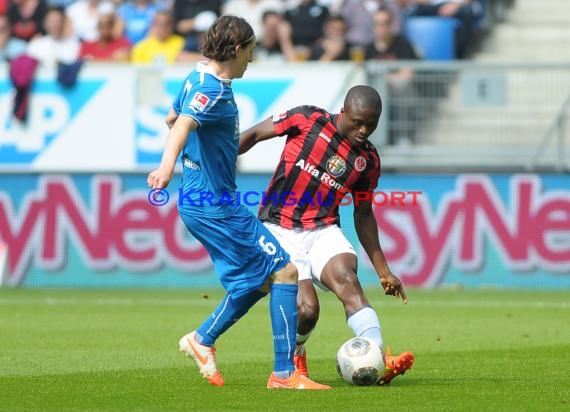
318, 166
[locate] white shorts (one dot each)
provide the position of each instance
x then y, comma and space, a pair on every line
310, 250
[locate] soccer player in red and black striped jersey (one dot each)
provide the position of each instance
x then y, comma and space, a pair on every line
317, 169
326, 157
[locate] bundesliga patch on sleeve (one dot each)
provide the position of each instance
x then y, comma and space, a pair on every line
199, 102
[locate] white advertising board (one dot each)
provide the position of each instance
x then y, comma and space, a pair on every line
113, 119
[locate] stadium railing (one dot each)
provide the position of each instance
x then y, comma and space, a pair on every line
471, 115
464, 116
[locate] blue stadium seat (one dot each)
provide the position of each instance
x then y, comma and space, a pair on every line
433, 37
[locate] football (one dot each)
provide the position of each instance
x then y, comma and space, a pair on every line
360, 361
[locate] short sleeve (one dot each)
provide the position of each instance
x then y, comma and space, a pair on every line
291, 122
200, 103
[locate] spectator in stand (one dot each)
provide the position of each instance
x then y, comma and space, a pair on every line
135, 19
358, 16
307, 21
461, 10
161, 46
107, 48
190, 53
192, 45
185, 13
84, 16
252, 11
55, 46
26, 18
332, 45
387, 45
274, 43
390, 46
10, 46
3, 7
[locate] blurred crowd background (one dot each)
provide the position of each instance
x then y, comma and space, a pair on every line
518, 109
169, 31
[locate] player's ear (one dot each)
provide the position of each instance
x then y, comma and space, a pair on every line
238, 48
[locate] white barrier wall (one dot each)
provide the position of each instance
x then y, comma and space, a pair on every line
113, 119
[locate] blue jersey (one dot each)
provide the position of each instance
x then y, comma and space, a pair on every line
210, 154
244, 252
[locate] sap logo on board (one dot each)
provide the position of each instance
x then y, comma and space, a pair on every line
52, 109
253, 99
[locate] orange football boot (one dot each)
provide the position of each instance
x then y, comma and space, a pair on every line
396, 365
295, 381
301, 363
204, 356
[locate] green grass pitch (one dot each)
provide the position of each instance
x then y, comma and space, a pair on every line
118, 350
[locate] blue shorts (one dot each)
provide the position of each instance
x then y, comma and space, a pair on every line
243, 250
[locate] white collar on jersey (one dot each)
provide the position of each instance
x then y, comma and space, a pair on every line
203, 67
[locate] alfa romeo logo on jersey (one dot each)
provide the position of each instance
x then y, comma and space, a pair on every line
360, 163
336, 166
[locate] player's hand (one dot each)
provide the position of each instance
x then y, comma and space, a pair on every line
158, 179
393, 286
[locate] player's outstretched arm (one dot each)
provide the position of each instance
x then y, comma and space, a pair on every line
176, 140
264, 130
171, 118
367, 231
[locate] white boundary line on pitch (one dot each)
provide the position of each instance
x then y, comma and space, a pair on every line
212, 302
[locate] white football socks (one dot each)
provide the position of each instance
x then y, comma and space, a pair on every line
300, 346
365, 323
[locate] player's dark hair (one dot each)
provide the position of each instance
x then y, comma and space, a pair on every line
363, 96
224, 35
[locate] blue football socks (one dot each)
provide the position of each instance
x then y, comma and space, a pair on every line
228, 312
283, 311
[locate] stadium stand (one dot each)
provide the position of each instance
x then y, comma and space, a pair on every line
508, 100
461, 104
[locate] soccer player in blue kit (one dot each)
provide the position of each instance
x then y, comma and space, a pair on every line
249, 261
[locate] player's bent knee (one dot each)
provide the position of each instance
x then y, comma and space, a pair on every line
308, 313
286, 275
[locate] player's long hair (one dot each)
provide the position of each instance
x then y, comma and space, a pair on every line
224, 35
